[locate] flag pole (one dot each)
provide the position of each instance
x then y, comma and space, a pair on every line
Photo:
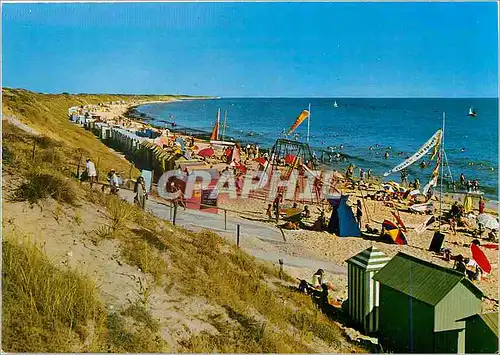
224, 127
308, 122
442, 171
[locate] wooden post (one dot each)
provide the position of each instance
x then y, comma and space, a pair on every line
238, 235
283, 234
281, 268
78, 167
225, 219
175, 213
33, 151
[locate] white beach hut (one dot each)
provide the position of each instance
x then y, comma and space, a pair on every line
363, 291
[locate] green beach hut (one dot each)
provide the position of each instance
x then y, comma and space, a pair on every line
363, 291
481, 333
422, 306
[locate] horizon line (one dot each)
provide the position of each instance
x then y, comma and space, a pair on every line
255, 97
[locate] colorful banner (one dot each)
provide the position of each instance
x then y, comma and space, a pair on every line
419, 154
303, 115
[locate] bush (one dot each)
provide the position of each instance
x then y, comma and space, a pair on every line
41, 185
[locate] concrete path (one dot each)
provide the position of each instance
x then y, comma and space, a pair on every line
256, 238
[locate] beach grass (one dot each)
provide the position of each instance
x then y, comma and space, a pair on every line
46, 309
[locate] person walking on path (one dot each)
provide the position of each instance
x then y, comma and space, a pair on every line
114, 183
91, 172
140, 192
359, 213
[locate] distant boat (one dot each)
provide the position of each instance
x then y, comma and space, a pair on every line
472, 112
335, 104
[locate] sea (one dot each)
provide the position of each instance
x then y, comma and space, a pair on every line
365, 128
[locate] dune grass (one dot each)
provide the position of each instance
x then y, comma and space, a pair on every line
46, 309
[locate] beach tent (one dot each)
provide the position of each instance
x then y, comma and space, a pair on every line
342, 220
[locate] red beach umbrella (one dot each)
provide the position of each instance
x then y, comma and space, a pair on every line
207, 152
480, 258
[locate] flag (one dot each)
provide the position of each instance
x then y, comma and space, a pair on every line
435, 172
422, 227
436, 146
434, 140
303, 115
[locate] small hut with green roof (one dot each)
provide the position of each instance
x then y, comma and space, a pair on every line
363, 291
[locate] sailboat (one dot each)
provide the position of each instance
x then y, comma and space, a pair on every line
335, 104
215, 130
472, 112
214, 137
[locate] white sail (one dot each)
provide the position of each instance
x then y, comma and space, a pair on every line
335, 104
419, 154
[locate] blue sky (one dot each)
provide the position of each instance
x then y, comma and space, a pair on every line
254, 49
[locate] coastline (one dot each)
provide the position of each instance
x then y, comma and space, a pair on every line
306, 243
204, 135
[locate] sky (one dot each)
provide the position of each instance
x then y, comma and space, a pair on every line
253, 49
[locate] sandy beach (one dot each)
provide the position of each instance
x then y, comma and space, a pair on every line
327, 246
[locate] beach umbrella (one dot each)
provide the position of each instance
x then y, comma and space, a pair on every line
207, 152
391, 230
480, 258
487, 221
260, 160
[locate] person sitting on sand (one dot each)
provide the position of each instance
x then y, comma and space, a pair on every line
306, 213
459, 264
317, 279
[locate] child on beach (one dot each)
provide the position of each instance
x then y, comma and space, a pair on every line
359, 213
269, 211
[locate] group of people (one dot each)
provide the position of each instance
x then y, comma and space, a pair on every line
470, 185
114, 182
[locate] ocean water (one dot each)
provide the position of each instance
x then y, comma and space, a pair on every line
471, 143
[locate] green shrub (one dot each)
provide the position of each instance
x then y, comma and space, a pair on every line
40, 185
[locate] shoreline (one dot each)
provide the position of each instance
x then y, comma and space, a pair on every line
306, 243
205, 137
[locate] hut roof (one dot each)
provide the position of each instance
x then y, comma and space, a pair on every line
422, 280
370, 259
490, 319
